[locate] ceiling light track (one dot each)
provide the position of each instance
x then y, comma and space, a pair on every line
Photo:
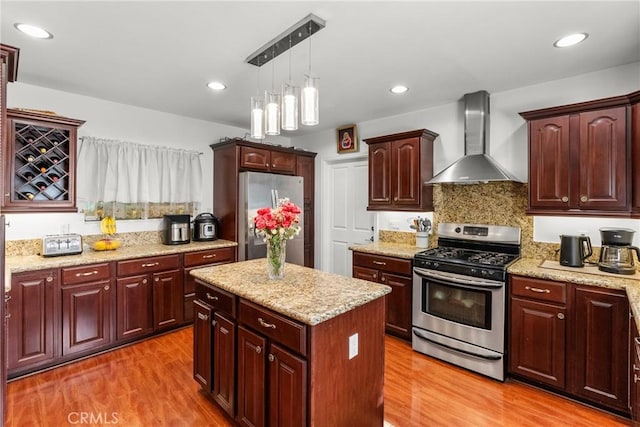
298, 32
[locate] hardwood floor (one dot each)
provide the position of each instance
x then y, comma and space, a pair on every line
150, 384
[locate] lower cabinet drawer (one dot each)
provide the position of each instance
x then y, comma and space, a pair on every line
148, 265
543, 290
275, 326
211, 256
85, 274
378, 262
219, 299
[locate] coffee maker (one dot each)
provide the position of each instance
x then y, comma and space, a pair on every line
616, 254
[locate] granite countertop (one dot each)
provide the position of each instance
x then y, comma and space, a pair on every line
530, 267
398, 250
22, 263
308, 295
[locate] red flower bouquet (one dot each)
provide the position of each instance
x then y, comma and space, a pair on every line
276, 226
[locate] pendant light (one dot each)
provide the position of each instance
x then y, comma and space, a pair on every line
257, 112
310, 97
289, 101
272, 108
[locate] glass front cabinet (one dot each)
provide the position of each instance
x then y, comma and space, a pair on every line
40, 163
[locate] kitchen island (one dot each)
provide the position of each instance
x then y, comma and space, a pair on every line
307, 349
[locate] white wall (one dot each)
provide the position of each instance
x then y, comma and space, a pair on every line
107, 119
508, 135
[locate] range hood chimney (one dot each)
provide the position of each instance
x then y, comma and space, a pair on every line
476, 166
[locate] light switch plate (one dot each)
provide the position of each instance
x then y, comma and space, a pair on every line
353, 346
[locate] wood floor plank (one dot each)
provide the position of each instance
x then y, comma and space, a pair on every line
150, 384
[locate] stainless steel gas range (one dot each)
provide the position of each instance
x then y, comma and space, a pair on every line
459, 296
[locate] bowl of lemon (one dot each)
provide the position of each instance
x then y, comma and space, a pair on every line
109, 241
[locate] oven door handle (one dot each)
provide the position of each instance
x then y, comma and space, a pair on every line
454, 349
480, 283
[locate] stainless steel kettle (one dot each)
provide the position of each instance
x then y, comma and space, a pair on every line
574, 250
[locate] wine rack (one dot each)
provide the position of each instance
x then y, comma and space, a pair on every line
41, 149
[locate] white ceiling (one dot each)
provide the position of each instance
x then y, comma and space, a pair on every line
161, 54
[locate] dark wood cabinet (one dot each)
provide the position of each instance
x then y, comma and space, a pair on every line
601, 347
167, 299
399, 165
34, 318
537, 334
635, 153
634, 370
237, 155
269, 370
88, 303
579, 159
573, 338
199, 259
214, 335
135, 307
393, 272
40, 168
8, 73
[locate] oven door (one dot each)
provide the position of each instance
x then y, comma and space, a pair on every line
464, 308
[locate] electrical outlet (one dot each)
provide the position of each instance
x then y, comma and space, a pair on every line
353, 346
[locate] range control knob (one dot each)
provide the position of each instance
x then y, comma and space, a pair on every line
457, 229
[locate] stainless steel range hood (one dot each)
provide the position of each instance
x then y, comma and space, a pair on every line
476, 166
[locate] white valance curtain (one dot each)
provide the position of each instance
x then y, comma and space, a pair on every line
126, 172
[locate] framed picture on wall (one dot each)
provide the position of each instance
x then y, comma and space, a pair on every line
347, 139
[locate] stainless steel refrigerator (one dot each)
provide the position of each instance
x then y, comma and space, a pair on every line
258, 190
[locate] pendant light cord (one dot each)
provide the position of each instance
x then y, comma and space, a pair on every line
289, 57
310, 34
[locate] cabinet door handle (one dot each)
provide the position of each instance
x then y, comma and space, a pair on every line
635, 378
157, 279
212, 297
537, 290
271, 357
214, 322
106, 288
635, 368
583, 199
203, 316
565, 199
266, 165
209, 256
258, 349
144, 281
49, 279
8, 297
89, 273
384, 279
266, 324
150, 264
379, 262
561, 316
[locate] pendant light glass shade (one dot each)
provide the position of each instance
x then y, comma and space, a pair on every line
310, 102
272, 113
257, 117
289, 106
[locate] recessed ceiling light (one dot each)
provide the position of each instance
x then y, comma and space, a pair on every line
399, 89
33, 31
216, 86
571, 39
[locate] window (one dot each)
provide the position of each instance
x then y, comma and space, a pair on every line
133, 181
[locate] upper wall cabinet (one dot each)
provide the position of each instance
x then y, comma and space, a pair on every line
40, 162
399, 165
579, 158
635, 153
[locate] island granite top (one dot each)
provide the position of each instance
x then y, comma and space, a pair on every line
308, 295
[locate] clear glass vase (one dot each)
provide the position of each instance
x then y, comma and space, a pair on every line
276, 254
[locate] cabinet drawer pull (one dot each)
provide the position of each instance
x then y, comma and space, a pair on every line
8, 297
49, 279
89, 273
144, 281
209, 256
583, 199
635, 368
637, 340
150, 264
380, 262
106, 288
258, 349
565, 199
203, 316
561, 316
271, 357
384, 279
7, 316
212, 297
266, 324
537, 290
635, 378
157, 279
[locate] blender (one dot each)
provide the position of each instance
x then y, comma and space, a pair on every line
616, 254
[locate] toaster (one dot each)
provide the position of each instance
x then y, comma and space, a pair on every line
61, 244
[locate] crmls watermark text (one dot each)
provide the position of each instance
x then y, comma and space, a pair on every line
101, 418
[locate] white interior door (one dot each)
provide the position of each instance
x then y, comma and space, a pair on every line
346, 216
